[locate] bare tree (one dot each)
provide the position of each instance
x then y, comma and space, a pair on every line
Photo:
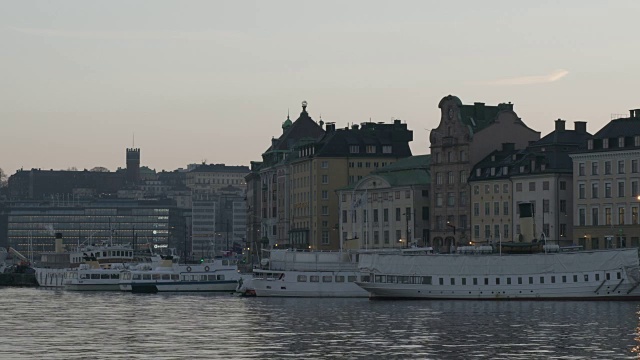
72, 168
99, 169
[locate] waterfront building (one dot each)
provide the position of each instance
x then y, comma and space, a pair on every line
606, 186
465, 135
31, 225
388, 208
209, 178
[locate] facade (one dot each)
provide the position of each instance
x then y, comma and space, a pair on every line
465, 135
388, 208
606, 186
341, 157
213, 177
31, 225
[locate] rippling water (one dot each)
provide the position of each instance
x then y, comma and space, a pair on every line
46, 324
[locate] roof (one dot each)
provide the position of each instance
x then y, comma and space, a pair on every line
411, 162
337, 143
620, 127
221, 168
413, 170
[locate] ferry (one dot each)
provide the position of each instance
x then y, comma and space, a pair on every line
482, 273
217, 275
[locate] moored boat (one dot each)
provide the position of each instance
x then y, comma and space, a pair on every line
600, 274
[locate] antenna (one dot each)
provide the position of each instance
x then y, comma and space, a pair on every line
134, 140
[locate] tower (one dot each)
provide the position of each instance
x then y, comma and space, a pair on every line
133, 165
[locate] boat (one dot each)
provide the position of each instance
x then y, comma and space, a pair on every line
299, 273
95, 276
554, 273
16, 274
217, 275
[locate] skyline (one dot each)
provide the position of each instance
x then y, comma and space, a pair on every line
192, 82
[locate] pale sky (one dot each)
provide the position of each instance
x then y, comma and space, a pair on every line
212, 80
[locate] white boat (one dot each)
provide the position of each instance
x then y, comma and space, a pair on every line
294, 273
600, 274
217, 275
52, 267
93, 277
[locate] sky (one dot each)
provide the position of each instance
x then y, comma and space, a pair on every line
213, 81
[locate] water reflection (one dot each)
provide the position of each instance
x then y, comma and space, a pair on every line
64, 325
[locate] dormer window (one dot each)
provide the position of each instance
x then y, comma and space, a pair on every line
371, 149
637, 140
621, 141
590, 144
605, 143
354, 149
522, 169
493, 171
505, 170
387, 149
478, 172
543, 166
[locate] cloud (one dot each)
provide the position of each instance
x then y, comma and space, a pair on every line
535, 79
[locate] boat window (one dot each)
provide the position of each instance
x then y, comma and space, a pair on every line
608, 276
351, 278
380, 278
339, 278
597, 277
530, 279
586, 277
104, 254
404, 279
486, 281
137, 276
575, 278
104, 276
453, 281
365, 278
84, 276
220, 277
464, 281
175, 277
553, 279
618, 275
314, 278
95, 276
541, 279
166, 277
441, 281
391, 279
327, 278
225, 262
115, 276
146, 277
302, 278
211, 277
497, 281
155, 276
519, 281
475, 281
564, 278
426, 280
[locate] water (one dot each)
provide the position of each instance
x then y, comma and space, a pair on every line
47, 324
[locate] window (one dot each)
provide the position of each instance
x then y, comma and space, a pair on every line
581, 191
407, 194
376, 237
476, 190
325, 179
496, 208
634, 189
581, 169
545, 205
451, 178
451, 199
407, 213
476, 209
607, 167
607, 216
425, 213
620, 188
325, 195
532, 186
581, 217
487, 208
607, 190
594, 190
386, 237
439, 200
505, 188
325, 210
594, 216
518, 187
634, 166
487, 189
463, 198
496, 188
563, 206
594, 168
563, 185
620, 166
371, 149
505, 234
476, 231
387, 149
634, 215
325, 237
324, 164
463, 177
344, 216
397, 214
487, 231
398, 235
545, 185
620, 216
385, 215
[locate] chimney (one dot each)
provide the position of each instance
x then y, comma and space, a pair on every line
635, 113
59, 246
560, 125
580, 126
355, 126
331, 127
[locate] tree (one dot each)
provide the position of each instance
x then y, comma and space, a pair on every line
3, 178
99, 169
73, 168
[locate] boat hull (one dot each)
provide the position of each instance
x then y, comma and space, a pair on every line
50, 277
92, 287
299, 284
200, 286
